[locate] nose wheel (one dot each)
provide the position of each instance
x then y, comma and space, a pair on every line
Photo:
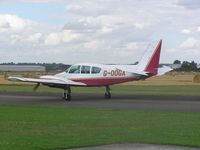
67, 94
107, 93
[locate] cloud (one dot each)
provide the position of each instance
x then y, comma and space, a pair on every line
106, 29
190, 43
191, 4
187, 50
63, 36
33, 1
74, 8
4, 23
82, 25
53, 39
19, 31
171, 50
198, 29
15, 38
185, 31
13, 23
92, 44
89, 8
100, 24
132, 45
139, 25
68, 36
94, 30
34, 38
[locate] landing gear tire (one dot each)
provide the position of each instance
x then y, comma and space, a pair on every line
68, 97
64, 96
107, 95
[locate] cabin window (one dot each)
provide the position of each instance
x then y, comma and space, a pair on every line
96, 70
75, 69
85, 69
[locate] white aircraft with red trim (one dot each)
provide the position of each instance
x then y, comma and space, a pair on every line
96, 75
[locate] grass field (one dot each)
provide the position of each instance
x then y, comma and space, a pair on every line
36, 127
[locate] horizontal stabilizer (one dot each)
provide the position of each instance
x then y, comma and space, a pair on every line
164, 69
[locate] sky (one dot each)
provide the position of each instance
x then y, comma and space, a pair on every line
99, 31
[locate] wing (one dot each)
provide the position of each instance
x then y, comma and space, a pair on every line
50, 80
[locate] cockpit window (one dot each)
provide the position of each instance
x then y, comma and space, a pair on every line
75, 69
85, 69
96, 70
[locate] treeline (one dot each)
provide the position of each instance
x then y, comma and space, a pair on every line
187, 66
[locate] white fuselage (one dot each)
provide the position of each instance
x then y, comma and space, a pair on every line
106, 75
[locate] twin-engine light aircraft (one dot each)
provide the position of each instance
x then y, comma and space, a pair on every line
96, 75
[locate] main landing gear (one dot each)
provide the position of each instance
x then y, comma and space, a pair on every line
107, 93
67, 94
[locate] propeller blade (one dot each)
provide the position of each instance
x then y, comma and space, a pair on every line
36, 87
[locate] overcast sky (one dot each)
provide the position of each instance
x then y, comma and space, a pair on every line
100, 31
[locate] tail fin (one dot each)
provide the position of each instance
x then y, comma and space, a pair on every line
150, 61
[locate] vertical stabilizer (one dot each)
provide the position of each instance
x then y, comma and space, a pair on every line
150, 61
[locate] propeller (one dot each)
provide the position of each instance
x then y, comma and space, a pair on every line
36, 86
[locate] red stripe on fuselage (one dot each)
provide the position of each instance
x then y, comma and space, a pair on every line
104, 81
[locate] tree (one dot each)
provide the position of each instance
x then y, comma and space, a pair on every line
177, 62
187, 66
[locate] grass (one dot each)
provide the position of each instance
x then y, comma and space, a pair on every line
37, 127
191, 90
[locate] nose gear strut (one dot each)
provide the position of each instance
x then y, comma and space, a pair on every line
67, 94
